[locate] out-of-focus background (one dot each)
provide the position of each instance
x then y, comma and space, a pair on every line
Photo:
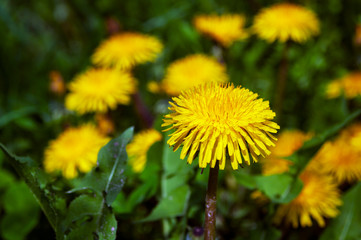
44, 39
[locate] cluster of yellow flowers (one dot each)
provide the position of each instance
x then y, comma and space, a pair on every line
98, 90
211, 118
337, 162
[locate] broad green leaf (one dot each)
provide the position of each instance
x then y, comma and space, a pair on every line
280, 188
36, 180
176, 171
24, 160
108, 227
82, 231
346, 226
21, 212
83, 206
109, 175
89, 216
171, 206
112, 159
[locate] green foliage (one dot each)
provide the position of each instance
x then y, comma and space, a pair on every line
21, 212
88, 215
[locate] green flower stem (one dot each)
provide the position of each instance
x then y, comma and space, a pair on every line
282, 82
211, 205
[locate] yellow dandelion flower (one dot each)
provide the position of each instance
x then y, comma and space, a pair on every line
350, 85
288, 143
286, 21
224, 29
75, 149
319, 199
97, 90
215, 119
191, 71
340, 159
125, 50
137, 149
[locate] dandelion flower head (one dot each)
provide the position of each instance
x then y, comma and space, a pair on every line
224, 29
286, 21
341, 157
289, 142
350, 85
75, 149
137, 149
98, 90
319, 199
214, 120
191, 71
125, 50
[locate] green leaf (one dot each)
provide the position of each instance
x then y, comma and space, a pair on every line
109, 176
21, 212
171, 206
112, 159
280, 188
83, 206
176, 171
36, 180
88, 216
6, 178
108, 227
92, 214
346, 226
24, 160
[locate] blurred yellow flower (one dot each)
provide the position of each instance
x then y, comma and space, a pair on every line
319, 199
289, 141
75, 149
215, 120
97, 90
286, 21
137, 149
125, 50
191, 71
224, 29
350, 85
341, 157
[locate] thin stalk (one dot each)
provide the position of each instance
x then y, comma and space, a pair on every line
211, 205
282, 82
143, 111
